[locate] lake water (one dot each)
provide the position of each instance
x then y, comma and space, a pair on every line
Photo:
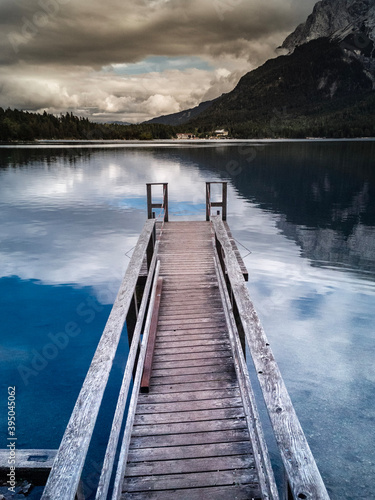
69, 215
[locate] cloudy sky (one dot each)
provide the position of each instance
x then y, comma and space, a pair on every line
133, 60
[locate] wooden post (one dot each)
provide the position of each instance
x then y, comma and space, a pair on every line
225, 196
208, 200
165, 195
149, 201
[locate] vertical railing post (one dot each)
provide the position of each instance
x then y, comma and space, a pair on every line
165, 198
149, 201
208, 201
225, 196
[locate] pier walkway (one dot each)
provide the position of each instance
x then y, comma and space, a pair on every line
190, 437
186, 424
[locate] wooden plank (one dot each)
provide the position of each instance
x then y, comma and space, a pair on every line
189, 481
189, 465
145, 382
214, 384
182, 308
199, 312
172, 351
190, 451
172, 333
66, 471
192, 370
193, 362
243, 492
196, 341
181, 406
159, 441
188, 416
189, 427
213, 322
32, 464
302, 471
199, 377
188, 396
195, 355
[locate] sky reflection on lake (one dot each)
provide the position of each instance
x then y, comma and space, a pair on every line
305, 210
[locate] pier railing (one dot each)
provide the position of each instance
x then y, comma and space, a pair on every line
216, 204
163, 206
67, 468
304, 479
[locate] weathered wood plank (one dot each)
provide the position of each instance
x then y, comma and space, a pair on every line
303, 474
199, 313
244, 492
214, 384
172, 351
216, 321
192, 363
189, 481
209, 404
145, 382
188, 396
224, 436
184, 357
196, 416
183, 308
72, 452
189, 427
30, 464
192, 370
189, 465
190, 451
196, 341
168, 332
227, 374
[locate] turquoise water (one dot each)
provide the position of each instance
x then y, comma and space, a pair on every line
305, 210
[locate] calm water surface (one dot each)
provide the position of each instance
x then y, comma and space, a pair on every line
305, 210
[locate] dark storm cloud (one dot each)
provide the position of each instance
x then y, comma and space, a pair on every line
96, 33
70, 41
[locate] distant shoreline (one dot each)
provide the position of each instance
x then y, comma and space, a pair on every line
170, 142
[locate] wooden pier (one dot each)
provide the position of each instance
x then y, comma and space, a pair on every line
192, 427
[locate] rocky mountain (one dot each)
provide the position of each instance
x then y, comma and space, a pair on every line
315, 91
325, 86
338, 18
351, 22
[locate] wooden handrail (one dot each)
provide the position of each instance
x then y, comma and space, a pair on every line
261, 455
109, 459
121, 466
303, 475
68, 464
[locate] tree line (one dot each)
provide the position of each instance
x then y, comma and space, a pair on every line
16, 125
